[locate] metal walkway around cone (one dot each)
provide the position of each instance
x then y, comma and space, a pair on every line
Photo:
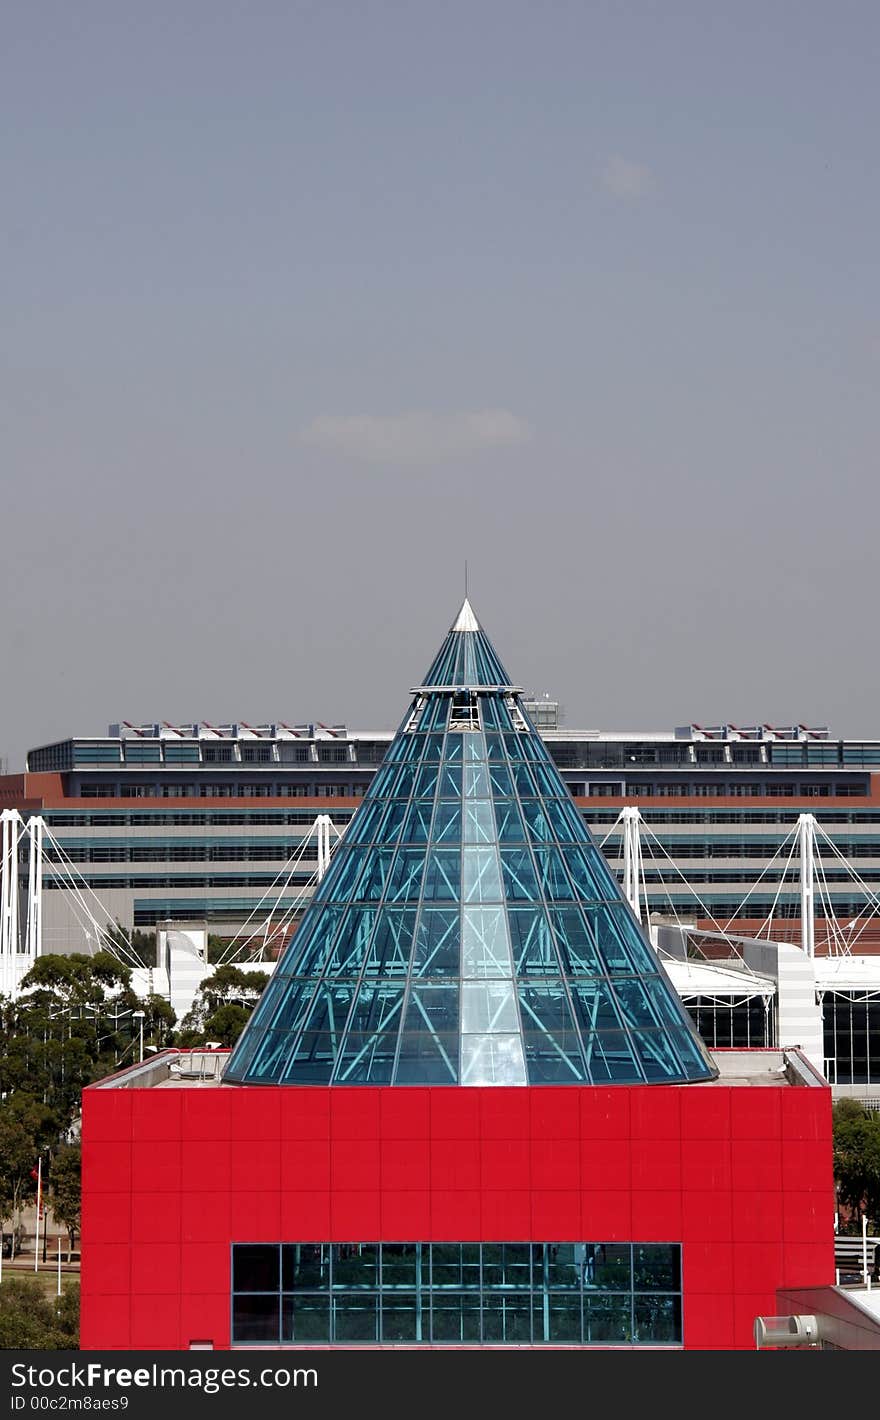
469, 931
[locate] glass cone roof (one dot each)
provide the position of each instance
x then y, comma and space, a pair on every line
468, 931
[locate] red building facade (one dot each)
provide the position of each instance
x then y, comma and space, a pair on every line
174, 1176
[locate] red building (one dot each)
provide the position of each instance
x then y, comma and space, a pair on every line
175, 1174
469, 1108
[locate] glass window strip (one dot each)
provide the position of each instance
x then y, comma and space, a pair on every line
516, 1293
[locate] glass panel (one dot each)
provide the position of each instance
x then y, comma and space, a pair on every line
350, 945
481, 880
633, 1003
389, 829
485, 948
532, 943
474, 747
255, 1267
429, 1044
447, 824
392, 943
442, 876
355, 1318
589, 884
304, 1267
312, 1061
545, 1007
576, 944
492, 1060
610, 1058
662, 998
611, 949
488, 1006
655, 1054
607, 1319
509, 821
401, 1317
608, 1267
500, 782
255, 1318
401, 1265
293, 1007
523, 781
559, 820
594, 1007
371, 885
562, 1264
520, 883
418, 823
437, 943
305, 1319
507, 1265
452, 753
377, 1006
563, 1318
455, 1265
476, 781
355, 1265
425, 786
317, 934
406, 876
449, 786
367, 1058
657, 1320
537, 822
507, 1319
656, 1267
552, 874
479, 822
455, 1318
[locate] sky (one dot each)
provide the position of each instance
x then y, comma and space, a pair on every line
303, 305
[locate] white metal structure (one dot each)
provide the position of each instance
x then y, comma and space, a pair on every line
806, 826
9, 939
633, 871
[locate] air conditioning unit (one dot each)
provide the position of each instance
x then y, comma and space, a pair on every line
781, 1331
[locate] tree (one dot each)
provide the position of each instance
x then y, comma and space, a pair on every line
857, 1157
26, 1127
222, 1006
66, 1191
32, 1321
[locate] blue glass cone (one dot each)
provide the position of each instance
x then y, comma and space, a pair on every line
468, 931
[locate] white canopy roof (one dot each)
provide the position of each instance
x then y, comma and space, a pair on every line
703, 978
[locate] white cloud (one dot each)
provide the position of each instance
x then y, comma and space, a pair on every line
415, 438
625, 179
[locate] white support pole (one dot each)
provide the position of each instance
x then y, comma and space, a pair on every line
807, 849
865, 1277
322, 826
59, 1265
632, 859
9, 943
34, 933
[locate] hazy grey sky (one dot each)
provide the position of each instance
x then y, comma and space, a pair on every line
305, 303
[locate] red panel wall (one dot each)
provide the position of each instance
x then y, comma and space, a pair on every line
741, 1177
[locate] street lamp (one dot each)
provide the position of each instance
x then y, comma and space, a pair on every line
139, 1016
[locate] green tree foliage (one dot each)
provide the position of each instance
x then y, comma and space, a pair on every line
32, 1321
72, 1024
66, 1192
141, 944
26, 1128
857, 1157
222, 1006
